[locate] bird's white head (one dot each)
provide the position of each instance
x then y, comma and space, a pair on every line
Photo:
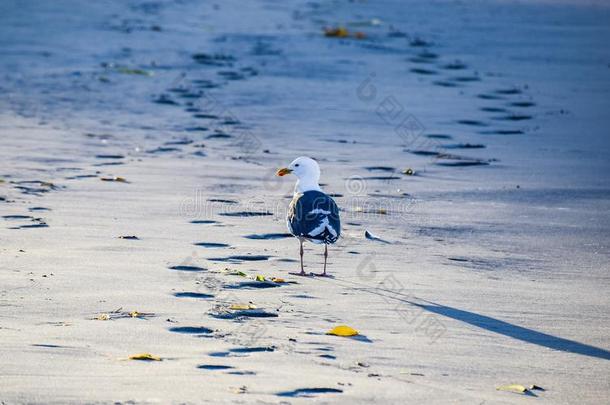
307, 171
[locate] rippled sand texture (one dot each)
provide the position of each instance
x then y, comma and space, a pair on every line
143, 248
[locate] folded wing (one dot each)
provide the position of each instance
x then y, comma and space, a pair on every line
314, 215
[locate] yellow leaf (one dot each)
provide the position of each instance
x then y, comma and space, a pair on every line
145, 357
339, 32
260, 278
134, 314
342, 330
518, 388
103, 317
240, 307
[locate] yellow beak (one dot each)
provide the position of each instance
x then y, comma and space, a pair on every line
283, 171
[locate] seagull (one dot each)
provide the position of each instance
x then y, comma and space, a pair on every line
312, 215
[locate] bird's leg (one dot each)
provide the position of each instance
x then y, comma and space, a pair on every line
325, 257
302, 270
302, 273
323, 274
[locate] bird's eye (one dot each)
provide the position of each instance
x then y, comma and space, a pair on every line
297, 165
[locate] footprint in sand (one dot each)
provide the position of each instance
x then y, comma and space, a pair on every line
109, 157
439, 136
240, 258
243, 351
214, 367
502, 132
522, 104
473, 123
219, 135
445, 83
17, 217
493, 109
464, 146
245, 214
421, 71
206, 116
203, 222
183, 141
508, 92
211, 245
457, 65
380, 169
490, 97
466, 79
187, 268
189, 294
220, 200
268, 236
308, 392
251, 313
163, 149
192, 330
251, 285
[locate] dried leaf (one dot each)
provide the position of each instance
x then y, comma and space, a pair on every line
518, 388
342, 32
342, 330
144, 357
120, 314
339, 32
232, 272
241, 307
278, 280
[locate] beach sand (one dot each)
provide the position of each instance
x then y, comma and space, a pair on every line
139, 142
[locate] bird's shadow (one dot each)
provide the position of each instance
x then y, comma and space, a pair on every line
516, 331
499, 326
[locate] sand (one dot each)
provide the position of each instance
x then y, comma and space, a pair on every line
486, 267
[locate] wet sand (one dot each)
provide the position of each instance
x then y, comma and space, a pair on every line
139, 142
